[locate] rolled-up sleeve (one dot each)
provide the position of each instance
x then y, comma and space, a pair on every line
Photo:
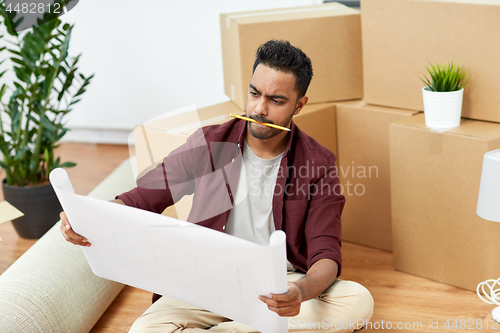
322, 231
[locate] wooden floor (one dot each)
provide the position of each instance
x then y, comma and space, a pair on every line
400, 299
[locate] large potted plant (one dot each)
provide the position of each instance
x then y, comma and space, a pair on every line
443, 95
46, 86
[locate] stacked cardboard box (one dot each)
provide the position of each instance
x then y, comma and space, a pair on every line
363, 147
401, 37
319, 122
330, 34
435, 175
435, 180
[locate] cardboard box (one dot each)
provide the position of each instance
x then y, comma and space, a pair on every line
400, 37
318, 121
158, 137
8, 213
435, 180
155, 139
364, 171
329, 34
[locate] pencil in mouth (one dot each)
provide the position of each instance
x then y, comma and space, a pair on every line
254, 121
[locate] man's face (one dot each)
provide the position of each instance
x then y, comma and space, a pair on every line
272, 98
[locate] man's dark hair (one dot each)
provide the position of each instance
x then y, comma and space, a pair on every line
282, 56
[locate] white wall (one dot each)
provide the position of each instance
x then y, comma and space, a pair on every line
149, 57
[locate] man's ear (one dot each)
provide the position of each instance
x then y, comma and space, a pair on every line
300, 104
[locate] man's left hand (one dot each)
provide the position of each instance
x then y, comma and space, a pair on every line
285, 305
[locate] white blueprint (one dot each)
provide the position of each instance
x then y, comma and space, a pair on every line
181, 260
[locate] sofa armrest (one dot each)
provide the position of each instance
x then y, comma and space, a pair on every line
51, 287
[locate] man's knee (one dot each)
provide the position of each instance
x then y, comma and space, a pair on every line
366, 303
360, 300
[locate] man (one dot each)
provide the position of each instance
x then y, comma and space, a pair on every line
282, 180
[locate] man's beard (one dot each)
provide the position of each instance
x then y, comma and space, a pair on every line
265, 132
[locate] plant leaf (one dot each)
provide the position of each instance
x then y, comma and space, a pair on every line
47, 123
21, 152
68, 165
444, 77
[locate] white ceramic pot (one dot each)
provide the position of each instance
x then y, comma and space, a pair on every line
442, 109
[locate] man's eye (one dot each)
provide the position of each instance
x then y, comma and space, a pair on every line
253, 93
275, 101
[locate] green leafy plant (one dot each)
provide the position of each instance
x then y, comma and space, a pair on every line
47, 85
444, 78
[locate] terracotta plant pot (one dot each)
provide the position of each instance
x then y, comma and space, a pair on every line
39, 205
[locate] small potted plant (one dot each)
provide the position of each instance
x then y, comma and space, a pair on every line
46, 86
443, 95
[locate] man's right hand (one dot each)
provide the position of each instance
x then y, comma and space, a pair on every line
69, 234
72, 236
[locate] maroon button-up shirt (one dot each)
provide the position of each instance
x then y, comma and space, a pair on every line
307, 201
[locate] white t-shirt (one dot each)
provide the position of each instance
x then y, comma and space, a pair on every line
252, 215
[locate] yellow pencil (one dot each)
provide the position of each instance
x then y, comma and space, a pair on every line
254, 121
